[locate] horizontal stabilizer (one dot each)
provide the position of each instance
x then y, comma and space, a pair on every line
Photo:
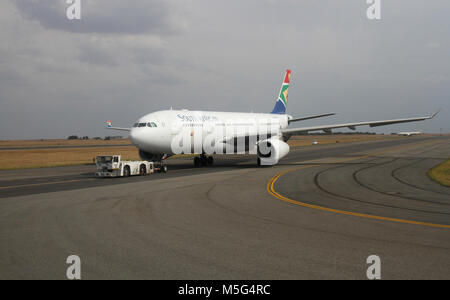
311, 117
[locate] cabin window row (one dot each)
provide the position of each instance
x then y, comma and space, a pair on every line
149, 124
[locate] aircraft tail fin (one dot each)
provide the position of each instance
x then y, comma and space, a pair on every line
281, 104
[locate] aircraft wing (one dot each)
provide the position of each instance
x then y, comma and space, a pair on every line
119, 128
109, 126
352, 126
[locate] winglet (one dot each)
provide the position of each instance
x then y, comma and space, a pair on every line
435, 113
109, 126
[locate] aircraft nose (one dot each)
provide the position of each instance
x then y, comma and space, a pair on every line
136, 137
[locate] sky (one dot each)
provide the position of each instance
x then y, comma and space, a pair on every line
124, 59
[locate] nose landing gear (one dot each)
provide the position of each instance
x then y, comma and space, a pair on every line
203, 161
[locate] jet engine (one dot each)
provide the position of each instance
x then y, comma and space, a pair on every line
270, 151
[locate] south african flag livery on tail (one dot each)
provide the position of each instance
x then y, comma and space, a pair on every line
280, 105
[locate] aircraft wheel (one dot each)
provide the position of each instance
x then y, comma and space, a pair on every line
204, 161
142, 170
196, 162
126, 171
210, 160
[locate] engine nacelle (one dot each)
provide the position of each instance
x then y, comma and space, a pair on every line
270, 151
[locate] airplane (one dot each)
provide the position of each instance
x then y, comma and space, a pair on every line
161, 134
409, 133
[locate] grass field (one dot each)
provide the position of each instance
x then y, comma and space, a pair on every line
39, 158
60, 142
52, 157
441, 173
307, 140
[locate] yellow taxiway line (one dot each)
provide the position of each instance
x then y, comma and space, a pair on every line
271, 190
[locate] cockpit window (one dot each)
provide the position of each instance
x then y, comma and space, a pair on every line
154, 124
151, 124
142, 124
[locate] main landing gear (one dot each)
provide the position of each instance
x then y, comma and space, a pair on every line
162, 168
203, 161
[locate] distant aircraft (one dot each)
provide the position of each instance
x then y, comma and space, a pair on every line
161, 134
410, 133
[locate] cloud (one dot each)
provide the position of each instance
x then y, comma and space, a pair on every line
95, 56
127, 58
432, 45
104, 16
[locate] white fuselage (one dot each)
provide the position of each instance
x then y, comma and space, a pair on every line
182, 131
170, 132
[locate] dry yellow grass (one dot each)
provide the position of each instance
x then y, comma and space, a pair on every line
52, 157
441, 173
60, 142
37, 158
306, 140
